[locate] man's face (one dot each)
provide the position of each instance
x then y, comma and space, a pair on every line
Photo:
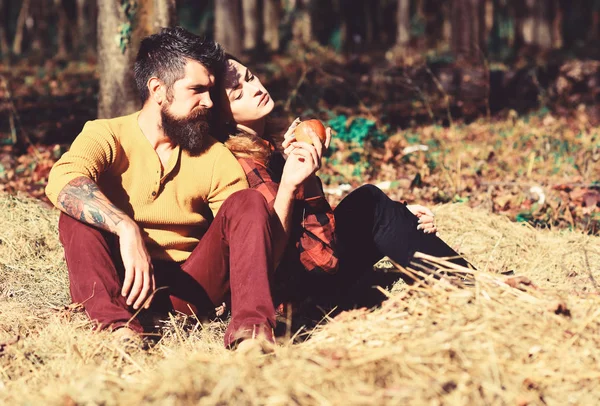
184, 113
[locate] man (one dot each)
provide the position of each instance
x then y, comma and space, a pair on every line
151, 200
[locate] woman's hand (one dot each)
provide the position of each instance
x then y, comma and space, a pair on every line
302, 162
426, 218
289, 134
306, 158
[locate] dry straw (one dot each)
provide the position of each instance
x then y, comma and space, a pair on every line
433, 342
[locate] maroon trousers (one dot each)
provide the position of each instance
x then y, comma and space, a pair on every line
233, 261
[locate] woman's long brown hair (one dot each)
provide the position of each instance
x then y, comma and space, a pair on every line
239, 142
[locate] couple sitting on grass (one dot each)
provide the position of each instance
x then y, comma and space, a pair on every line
222, 211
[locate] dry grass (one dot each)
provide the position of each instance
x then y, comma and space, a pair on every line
429, 344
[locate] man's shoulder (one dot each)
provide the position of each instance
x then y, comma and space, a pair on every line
109, 126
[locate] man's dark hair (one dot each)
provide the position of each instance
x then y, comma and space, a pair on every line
164, 55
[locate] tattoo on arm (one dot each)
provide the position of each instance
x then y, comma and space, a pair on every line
82, 199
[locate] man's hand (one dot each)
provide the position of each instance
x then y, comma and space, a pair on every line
426, 218
82, 199
139, 281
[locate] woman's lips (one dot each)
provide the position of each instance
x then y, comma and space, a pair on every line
263, 100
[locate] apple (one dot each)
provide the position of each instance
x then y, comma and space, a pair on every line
302, 131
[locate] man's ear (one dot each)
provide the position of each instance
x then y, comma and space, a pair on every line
157, 90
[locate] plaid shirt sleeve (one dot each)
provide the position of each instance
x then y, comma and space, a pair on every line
313, 226
316, 236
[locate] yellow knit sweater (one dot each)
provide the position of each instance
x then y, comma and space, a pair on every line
174, 205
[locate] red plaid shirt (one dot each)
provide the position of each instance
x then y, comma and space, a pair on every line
312, 234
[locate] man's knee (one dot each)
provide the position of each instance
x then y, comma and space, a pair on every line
74, 234
246, 201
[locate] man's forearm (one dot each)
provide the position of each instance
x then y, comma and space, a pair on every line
82, 199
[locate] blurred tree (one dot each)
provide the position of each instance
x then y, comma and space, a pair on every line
594, 32
403, 21
62, 29
4, 48
42, 15
434, 23
131, 20
84, 33
271, 18
82, 24
228, 25
534, 22
502, 33
468, 29
577, 22
302, 25
251, 23
165, 13
17, 47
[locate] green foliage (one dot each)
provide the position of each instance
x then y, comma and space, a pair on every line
417, 25
129, 8
335, 40
358, 132
359, 136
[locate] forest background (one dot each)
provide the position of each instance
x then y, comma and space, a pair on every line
487, 102
484, 110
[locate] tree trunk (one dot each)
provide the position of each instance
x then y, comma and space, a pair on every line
403, 21
302, 26
369, 23
271, 18
228, 25
468, 29
92, 37
536, 23
41, 16
118, 95
82, 25
17, 48
165, 12
435, 21
62, 29
251, 24
4, 47
557, 40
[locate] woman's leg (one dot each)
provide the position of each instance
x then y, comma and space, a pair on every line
370, 225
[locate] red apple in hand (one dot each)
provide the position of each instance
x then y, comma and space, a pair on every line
302, 131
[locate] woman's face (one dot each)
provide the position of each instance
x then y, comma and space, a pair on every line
248, 99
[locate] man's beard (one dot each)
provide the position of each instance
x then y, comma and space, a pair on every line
188, 132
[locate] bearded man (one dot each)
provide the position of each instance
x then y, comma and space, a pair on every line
151, 200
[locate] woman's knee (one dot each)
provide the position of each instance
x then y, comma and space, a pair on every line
371, 192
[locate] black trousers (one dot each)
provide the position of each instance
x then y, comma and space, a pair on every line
369, 226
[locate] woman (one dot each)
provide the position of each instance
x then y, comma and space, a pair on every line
324, 254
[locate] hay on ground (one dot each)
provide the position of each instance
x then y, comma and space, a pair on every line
430, 343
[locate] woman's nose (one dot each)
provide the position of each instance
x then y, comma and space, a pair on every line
256, 90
